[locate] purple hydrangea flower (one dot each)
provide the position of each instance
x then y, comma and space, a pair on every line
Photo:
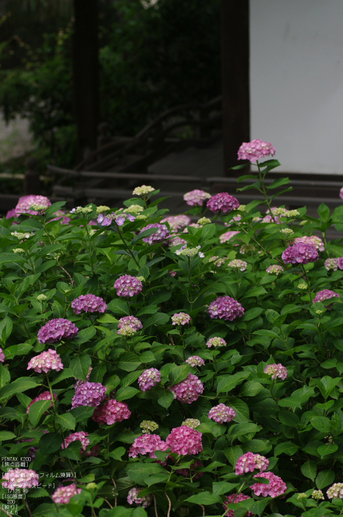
176, 222
326, 294
2, 355
45, 362
222, 413
111, 412
196, 197
63, 494
181, 318
88, 303
226, 308
277, 371
149, 379
249, 462
189, 390
128, 286
254, 150
132, 498
147, 444
20, 478
31, 205
341, 193
195, 360
222, 202
312, 239
184, 440
56, 330
300, 254
161, 234
89, 394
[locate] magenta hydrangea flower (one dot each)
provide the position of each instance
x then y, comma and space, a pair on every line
89, 394
225, 307
189, 390
20, 478
196, 197
274, 269
216, 341
176, 222
132, 498
275, 487
335, 490
222, 413
277, 371
81, 436
300, 254
222, 202
249, 462
111, 412
31, 205
195, 360
149, 379
331, 263
312, 239
180, 318
236, 498
45, 362
255, 150
147, 444
56, 330
128, 286
2, 355
224, 237
326, 294
161, 234
63, 494
88, 303
46, 395
341, 193
185, 440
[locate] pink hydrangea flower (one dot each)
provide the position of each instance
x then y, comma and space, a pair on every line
88, 303
129, 322
147, 444
46, 395
56, 330
31, 204
176, 222
149, 379
255, 150
64, 493
175, 241
238, 264
227, 236
222, 202
235, 498
335, 490
196, 197
89, 394
111, 412
189, 390
326, 294
340, 262
128, 286
313, 239
300, 254
132, 498
184, 440
226, 308
45, 362
276, 371
180, 318
195, 360
275, 487
274, 269
222, 413
161, 234
216, 341
20, 478
81, 436
249, 462
2, 355
341, 193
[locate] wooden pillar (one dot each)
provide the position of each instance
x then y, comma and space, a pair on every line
235, 78
86, 75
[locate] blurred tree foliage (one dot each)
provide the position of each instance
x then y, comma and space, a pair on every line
151, 58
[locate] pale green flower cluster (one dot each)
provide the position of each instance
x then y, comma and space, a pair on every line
218, 261
148, 426
291, 213
191, 422
302, 497
102, 208
241, 208
287, 231
41, 297
204, 220
37, 207
246, 248
302, 285
134, 209
317, 495
188, 252
238, 264
18, 250
143, 190
21, 235
83, 210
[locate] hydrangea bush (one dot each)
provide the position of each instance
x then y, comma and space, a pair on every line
155, 365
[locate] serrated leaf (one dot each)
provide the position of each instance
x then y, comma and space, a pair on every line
229, 382
325, 478
67, 421
166, 400
119, 307
253, 313
288, 448
309, 469
205, 498
80, 366
85, 335
6, 435
126, 393
37, 410
18, 386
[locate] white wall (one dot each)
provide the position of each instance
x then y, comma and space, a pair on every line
296, 74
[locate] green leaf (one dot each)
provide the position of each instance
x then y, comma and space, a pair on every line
126, 393
288, 448
298, 398
6, 435
138, 472
37, 410
159, 318
18, 386
328, 448
6, 327
278, 183
250, 389
288, 418
166, 399
228, 382
321, 423
325, 478
82, 412
67, 421
80, 366
222, 487
85, 335
50, 442
324, 212
119, 307
5, 376
258, 507
309, 469
205, 498
253, 313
